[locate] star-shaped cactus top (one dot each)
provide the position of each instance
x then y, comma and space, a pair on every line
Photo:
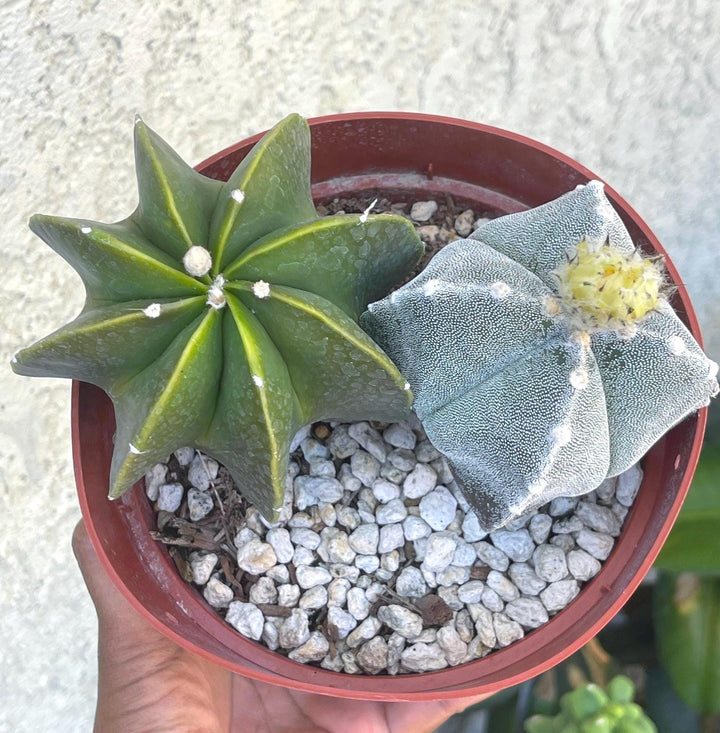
224, 315
543, 354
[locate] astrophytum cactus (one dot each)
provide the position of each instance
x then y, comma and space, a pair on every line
543, 354
224, 315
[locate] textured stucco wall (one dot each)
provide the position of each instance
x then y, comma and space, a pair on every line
632, 90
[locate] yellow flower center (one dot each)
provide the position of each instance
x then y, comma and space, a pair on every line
604, 287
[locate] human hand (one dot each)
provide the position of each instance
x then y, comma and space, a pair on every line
148, 683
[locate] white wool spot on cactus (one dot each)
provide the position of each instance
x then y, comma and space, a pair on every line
431, 287
712, 369
134, 450
237, 195
561, 435
86, 230
500, 289
579, 379
676, 345
258, 380
407, 385
582, 338
537, 486
551, 305
197, 261
138, 118
216, 297
14, 360
153, 310
366, 213
261, 289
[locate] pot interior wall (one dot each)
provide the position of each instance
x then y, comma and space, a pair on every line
402, 156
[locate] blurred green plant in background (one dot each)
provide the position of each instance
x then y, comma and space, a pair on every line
662, 650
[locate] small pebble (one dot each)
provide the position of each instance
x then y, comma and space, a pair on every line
313, 650
597, 544
202, 565
420, 481
471, 592
340, 622
471, 528
506, 630
415, 528
423, 210
582, 566
200, 504
391, 537
492, 556
288, 595
528, 612
464, 223
358, 605
392, 512
385, 491
437, 508
372, 656
185, 455
170, 497
550, 563
452, 645
526, 579
422, 657
154, 478
247, 618
399, 435
263, 591
364, 632
557, 595
256, 557
365, 468
369, 439
308, 577
439, 552
628, 484
279, 539
517, 545
217, 594
313, 598
202, 472
294, 630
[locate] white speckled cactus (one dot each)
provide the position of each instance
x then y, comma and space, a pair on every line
543, 354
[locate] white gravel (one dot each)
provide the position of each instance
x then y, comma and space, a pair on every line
374, 524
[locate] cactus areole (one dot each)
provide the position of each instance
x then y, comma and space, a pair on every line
543, 354
224, 315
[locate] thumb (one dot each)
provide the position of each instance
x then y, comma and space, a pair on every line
113, 609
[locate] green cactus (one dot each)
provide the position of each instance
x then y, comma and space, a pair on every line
590, 709
543, 354
224, 315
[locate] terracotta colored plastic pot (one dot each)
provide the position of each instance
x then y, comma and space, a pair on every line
426, 157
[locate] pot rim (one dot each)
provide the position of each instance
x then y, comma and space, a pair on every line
452, 682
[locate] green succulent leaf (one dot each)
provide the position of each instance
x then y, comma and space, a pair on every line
94, 347
176, 202
269, 190
115, 261
235, 351
687, 628
345, 259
